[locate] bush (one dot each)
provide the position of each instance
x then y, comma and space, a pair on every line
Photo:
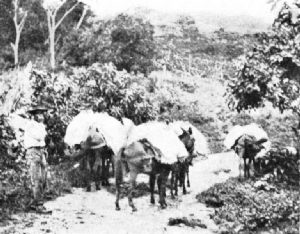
245, 208
14, 180
56, 96
284, 166
103, 88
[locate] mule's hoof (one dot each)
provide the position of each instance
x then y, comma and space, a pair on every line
134, 209
188, 185
98, 188
152, 201
118, 208
163, 206
88, 189
184, 192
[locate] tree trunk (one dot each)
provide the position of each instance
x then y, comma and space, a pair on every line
16, 49
52, 26
82, 17
52, 48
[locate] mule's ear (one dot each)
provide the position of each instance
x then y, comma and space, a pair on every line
183, 131
190, 131
261, 141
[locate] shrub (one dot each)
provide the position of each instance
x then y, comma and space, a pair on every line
14, 180
245, 208
284, 166
103, 88
49, 91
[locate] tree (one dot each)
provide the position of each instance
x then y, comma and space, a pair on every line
52, 7
188, 27
19, 24
125, 41
132, 44
33, 35
271, 71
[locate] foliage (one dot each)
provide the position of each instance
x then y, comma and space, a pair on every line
125, 41
85, 46
282, 165
14, 181
132, 44
247, 208
33, 41
103, 88
271, 71
33, 35
48, 91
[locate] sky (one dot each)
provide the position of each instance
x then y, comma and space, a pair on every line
256, 8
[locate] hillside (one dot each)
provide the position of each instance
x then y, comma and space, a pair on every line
206, 22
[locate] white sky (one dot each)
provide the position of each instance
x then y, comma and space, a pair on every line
257, 8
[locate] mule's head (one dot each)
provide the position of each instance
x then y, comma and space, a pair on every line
188, 140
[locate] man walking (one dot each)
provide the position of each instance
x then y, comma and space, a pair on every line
34, 143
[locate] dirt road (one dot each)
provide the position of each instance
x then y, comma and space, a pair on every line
94, 212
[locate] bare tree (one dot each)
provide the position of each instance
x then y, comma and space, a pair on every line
85, 9
19, 24
52, 7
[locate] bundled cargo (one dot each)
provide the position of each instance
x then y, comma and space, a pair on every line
162, 138
253, 130
109, 129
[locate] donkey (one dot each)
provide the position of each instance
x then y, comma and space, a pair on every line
246, 147
178, 169
142, 157
181, 168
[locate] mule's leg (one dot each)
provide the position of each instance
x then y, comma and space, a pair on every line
183, 179
241, 167
112, 165
173, 183
117, 194
119, 180
188, 176
177, 179
180, 176
106, 171
252, 167
98, 176
132, 182
103, 170
88, 175
152, 185
246, 167
159, 183
164, 177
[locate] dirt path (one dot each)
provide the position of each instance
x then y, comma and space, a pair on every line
94, 212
